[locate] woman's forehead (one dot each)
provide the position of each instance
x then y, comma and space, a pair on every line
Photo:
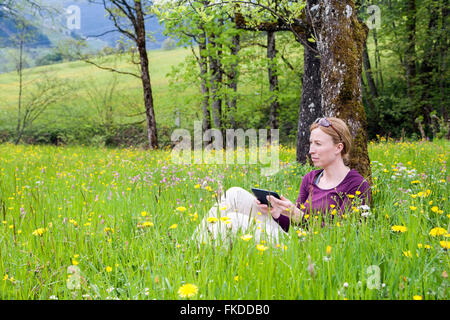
318, 134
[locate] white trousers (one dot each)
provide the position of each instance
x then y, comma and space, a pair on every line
236, 213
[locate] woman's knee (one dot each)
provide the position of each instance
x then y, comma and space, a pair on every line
233, 191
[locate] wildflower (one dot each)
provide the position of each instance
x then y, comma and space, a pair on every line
397, 228
174, 226
181, 209
435, 209
223, 208
328, 250
143, 213
407, 254
212, 219
412, 208
445, 244
236, 278
246, 237
417, 297
415, 182
108, 269
261, 247
39, 232
74, 262
188, 290
197, 186
437, 232
147, 224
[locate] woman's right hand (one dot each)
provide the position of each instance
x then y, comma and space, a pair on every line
264, 209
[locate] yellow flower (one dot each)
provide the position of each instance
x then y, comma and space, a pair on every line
358, 193
174, 226
212, 219
5, 277
435, 209
143, 213
39, 232
407, 254
197, 186
108, 269
445, 244
261, 247
181, 209
246, 237
412, 208
417, 297
397, 228
236, 278
223, 208
74, 262
147, 224
188, 290
415, 182
328, 250
437, 232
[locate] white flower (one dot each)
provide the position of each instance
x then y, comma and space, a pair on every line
53, 298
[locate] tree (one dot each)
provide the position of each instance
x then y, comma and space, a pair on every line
339, 37
129, 19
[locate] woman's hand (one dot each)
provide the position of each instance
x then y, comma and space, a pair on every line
278, 207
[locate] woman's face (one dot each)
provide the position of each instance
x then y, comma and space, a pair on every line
322, 149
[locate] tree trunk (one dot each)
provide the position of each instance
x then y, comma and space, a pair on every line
216, 80
145, 76
310, 103
368, 73
273, 80
203, 64
20, 72
233, 79
410, 52
340, 41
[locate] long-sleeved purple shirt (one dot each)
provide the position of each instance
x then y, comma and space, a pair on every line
317, 200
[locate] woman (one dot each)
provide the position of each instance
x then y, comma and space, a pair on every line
330, 190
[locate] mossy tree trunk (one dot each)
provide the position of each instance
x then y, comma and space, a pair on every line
341, 37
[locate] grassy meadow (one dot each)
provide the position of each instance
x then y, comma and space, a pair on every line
97, 223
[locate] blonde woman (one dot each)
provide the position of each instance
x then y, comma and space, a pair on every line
329, 189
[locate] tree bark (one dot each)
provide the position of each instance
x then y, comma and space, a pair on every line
216, 81
145, 76
203, 64
233, 79
341, 39
273, 80
310, 103
410, 52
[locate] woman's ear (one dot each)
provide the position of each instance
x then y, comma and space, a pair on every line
340, 147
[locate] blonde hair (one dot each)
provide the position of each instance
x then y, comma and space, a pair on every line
339, 134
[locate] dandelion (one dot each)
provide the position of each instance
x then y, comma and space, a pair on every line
147, 224
143, 213
397, 228
246, 237
188, 290
212, 219
174, 226
108, 269
417, 297
236, 278
39, 232
407, 254
445, 244
181, 209
437, 232
261, 248
413, 208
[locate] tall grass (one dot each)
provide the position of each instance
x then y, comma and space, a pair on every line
92, 204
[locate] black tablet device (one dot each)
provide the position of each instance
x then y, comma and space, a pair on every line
261, 195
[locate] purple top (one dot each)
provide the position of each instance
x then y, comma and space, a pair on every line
316, 200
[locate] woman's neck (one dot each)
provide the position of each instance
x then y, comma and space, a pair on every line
335, 172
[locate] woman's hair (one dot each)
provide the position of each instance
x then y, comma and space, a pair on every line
344, 135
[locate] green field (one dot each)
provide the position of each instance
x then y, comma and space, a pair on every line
98, 223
